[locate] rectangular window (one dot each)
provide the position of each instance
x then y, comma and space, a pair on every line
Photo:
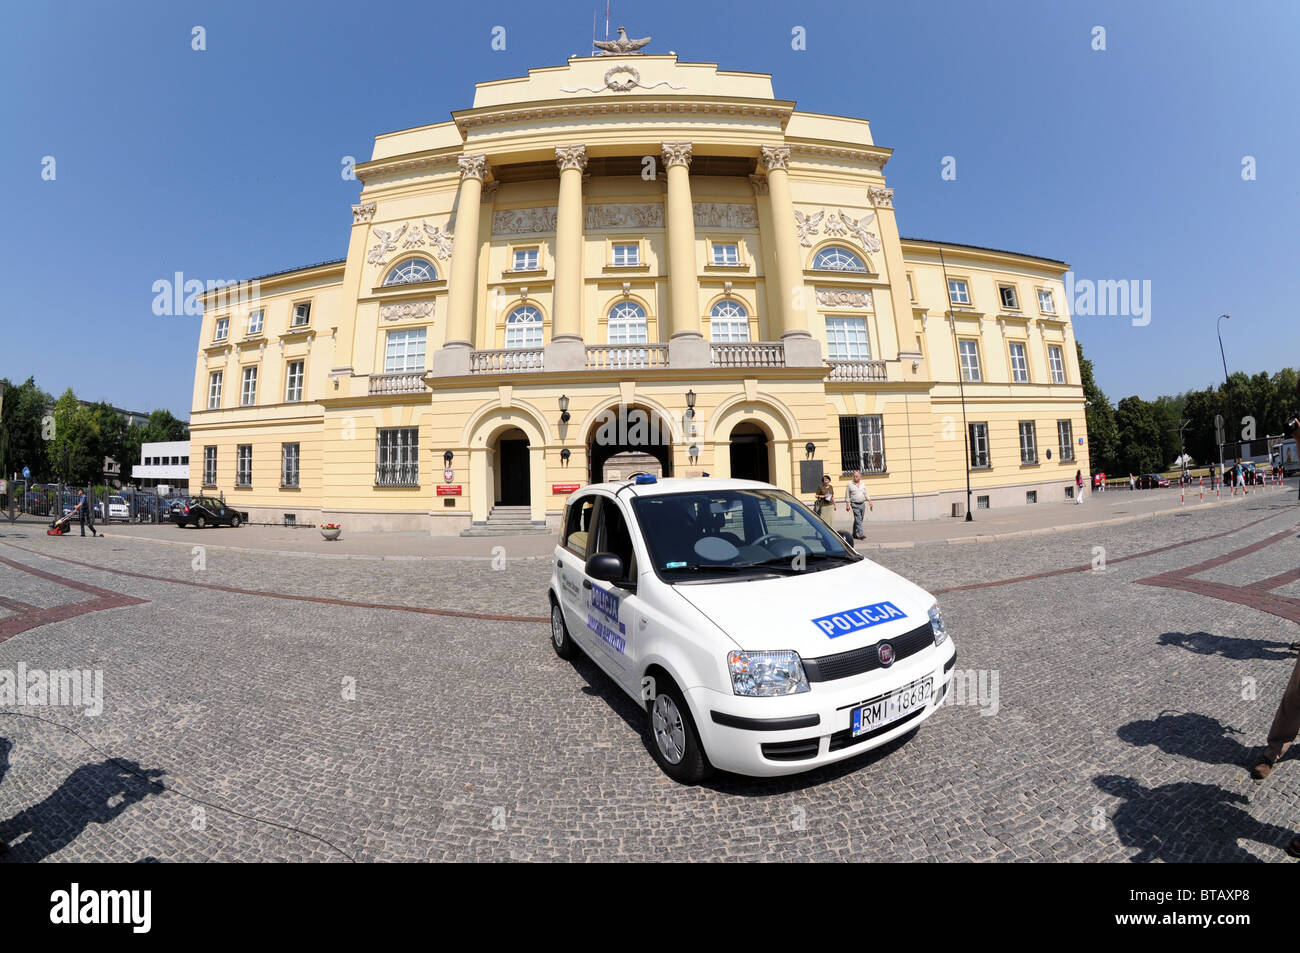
1065, 439
397, 460
958, 291
1007, 295
1057, 361
214, 390
223, 329
209, 466
981, 502
248, 389
979, 447
862, 444
626, 254
255, 322
301, 314
726, 253
244, 465
1028, 443
526, 259
911, 292
288, 464
1019, 366
293, 382
404, 351
1031, 496
846, 339
1045, 302
970, 360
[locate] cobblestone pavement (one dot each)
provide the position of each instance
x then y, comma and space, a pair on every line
1134, 671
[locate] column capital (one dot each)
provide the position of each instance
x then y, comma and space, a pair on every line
759, 182
571, 157
677, 153
882, 198
774, 157
473, 165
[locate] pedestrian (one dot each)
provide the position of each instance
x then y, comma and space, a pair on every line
1078, 486
855, 498
825, 498
1132, 482
1283, 731
87, 517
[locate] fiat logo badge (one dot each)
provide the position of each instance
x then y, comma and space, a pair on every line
885, 652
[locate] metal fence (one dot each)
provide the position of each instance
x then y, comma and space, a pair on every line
55, 500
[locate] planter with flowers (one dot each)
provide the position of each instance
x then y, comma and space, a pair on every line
331, 531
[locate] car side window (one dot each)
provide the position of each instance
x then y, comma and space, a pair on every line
577, 531
615, 537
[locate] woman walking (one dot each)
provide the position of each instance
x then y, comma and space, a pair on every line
1078, 486
825, 498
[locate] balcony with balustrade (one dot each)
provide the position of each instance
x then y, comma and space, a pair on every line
401, 383
854, 372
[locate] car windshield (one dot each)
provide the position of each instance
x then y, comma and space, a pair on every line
735, 533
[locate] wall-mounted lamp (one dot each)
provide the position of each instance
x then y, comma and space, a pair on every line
565, 454
693, 453
1049, 454
447, 458
564, 409
690, 403
810, 447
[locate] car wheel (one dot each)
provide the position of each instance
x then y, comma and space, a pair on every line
201, 523
234, 522
673, 738
561, 641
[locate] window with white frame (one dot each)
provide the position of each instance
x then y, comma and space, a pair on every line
1019, 364
1028, 443
1057, 361
979, 446
862, 444
248, 387
970, 360
524, 327
836, 258
223, 329
404, 351
255, 319
289, 453
726, 253
301, 314
728, 321
293, 381
397, 453
627, 324
846, 339
1007, 295
214, 390
409, 272
625, 254
209, 466
1065, 439
244, 465
958, 291
526, 259
1045, 302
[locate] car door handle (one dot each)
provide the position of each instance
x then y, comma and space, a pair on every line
586, 584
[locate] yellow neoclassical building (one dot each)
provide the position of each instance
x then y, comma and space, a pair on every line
629, 262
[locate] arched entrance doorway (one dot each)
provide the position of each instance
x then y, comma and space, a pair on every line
749, 453
636, 436
512, 473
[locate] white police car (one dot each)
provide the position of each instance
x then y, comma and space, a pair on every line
754, 636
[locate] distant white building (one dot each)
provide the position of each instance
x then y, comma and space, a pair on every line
166, 463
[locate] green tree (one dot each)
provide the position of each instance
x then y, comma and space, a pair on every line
74, 450
1140, 439
25, 405
1103, 436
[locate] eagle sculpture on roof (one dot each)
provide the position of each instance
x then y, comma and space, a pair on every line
622, 45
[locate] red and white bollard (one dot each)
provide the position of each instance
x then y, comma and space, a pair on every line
1182, 492
1202, 489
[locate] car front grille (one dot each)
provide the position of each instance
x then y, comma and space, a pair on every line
846, 664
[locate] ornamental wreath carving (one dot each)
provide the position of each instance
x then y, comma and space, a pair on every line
844, 298
405, 310
523, 221
423, 234
719, 215
625, 216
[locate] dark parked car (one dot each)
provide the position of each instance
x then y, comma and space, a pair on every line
201, 511
1152, 481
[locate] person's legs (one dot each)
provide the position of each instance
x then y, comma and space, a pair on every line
859, 512
1285, 727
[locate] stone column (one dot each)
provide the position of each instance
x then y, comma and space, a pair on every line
789, 315
686, 345
452, 359
566, 351
882, 200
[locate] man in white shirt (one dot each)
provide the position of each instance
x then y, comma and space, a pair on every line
856, 498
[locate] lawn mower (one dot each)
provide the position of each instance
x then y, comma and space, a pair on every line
61, 526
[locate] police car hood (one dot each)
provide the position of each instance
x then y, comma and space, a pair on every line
814, 613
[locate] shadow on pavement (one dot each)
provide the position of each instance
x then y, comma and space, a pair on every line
1189, 735
1186, 821
1203, 643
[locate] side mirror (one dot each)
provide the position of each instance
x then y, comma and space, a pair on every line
606, 567
847, 538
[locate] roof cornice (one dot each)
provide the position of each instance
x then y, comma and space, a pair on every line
468, 119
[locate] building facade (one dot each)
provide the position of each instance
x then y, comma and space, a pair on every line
163, 463
629, 261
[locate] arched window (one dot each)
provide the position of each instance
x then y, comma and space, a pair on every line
627, 324
728, 321
410, 272
836, 258
524, 327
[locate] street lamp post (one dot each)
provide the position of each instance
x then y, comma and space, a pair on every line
1218, 326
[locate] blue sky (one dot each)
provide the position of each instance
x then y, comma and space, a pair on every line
1126, 162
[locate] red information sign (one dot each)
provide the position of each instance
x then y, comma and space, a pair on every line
445, 490
565, 488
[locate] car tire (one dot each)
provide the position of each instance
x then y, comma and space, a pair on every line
234, 522
674, 742
561, 641
201, 523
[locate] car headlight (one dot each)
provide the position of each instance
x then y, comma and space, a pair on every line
768, 673
936, 623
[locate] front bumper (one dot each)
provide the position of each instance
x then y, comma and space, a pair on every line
769, 737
